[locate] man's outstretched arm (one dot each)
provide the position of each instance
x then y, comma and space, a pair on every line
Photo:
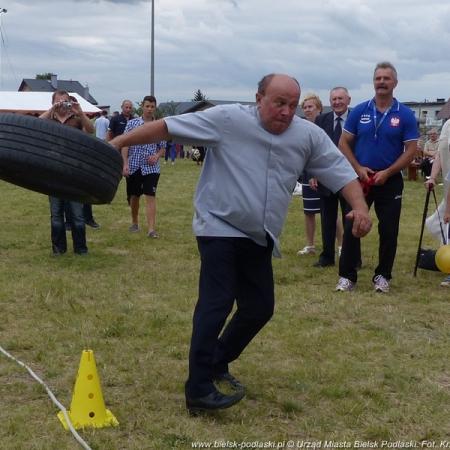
149, 133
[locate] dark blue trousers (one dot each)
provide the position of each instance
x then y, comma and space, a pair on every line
328, 217
233, 270
387, 201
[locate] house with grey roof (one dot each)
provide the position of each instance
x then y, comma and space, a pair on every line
53, 84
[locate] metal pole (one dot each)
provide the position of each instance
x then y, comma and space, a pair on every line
2, 11
424, 218
152, 69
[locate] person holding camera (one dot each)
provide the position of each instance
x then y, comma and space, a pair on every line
67, 111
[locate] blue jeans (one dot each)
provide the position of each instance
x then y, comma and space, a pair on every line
59, 241
87, 212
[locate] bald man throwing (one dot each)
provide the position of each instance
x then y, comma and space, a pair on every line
256, 154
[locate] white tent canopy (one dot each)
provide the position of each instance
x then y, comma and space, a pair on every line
37, 102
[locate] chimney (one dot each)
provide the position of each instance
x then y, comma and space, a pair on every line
86, 92
54, 81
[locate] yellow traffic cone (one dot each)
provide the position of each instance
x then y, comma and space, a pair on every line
88, 407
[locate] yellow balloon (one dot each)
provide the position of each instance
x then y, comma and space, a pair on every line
442, 258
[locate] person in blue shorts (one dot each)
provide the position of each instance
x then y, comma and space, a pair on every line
379, 140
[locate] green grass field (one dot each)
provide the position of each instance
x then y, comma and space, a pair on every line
328, 366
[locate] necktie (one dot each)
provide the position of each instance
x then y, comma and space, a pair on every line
337, 131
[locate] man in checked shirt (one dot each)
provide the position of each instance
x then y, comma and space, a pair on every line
141, 166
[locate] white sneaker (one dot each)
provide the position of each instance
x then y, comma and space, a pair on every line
307, 250
446, 281
298, 189
380, 284
345, 285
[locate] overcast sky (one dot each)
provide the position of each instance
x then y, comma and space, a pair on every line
223, 47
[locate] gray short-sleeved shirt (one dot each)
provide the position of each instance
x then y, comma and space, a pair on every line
249, 174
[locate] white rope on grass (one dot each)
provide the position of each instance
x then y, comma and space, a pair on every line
78, 438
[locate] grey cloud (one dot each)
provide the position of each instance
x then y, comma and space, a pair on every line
223, 47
